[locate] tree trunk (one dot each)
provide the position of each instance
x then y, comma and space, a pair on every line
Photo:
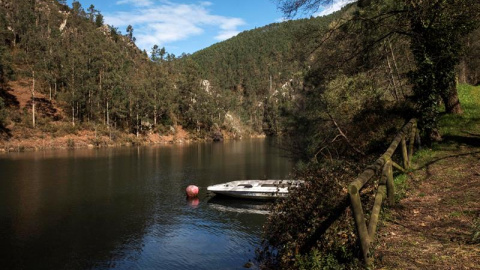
108, 117
33, 100
73, 113
451, 101
155, 116
137, 123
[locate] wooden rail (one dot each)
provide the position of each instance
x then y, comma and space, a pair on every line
383, 165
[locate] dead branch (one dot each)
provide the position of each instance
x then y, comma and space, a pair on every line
341, 133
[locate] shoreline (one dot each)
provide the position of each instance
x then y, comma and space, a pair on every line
17, 145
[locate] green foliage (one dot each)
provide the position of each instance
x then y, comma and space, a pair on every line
258, 64
70, 144
436, 30
99, 20
95, 73
312, 218
401, 186
316, 260
3, 112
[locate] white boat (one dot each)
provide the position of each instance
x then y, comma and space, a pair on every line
256, 189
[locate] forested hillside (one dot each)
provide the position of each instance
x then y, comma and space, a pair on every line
264, 66
63, 71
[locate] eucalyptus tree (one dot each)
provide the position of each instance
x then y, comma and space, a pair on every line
78, 9
91, 13
130, 33
99, 20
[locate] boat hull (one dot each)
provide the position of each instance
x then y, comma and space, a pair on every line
256, 189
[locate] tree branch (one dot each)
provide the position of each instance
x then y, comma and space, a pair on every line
344, 136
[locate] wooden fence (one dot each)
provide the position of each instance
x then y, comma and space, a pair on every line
384, 165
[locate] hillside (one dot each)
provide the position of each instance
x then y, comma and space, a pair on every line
61, 66
263, 63
64, 59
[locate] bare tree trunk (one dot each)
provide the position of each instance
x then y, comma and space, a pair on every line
399, 78
155, 116
73, 94
33, 100
155, 108
392, 76
137, 121
90, 109
108, 118
73, 113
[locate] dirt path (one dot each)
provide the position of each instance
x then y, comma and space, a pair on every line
433, 226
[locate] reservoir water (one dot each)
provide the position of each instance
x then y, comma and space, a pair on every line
125, 208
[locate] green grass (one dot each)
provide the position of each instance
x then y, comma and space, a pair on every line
469, 121
401, 186
423, 154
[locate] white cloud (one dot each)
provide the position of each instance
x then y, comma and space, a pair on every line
223, 35
206, 3
137, 3
334, 6
169, 22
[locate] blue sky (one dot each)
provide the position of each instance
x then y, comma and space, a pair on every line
189, 25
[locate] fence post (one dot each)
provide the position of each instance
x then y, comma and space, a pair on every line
386, 186
404, 153
413, 133
390, 184
360, 221
377, 206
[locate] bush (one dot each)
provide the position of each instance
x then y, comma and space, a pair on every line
3, 113
66, 128
316, 260
70, 143
315, 217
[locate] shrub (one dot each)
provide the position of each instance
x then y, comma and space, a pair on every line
3, 112
70, 143
316, 217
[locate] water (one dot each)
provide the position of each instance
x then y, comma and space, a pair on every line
125, 208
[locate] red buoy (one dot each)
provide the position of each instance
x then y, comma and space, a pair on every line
192, 191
